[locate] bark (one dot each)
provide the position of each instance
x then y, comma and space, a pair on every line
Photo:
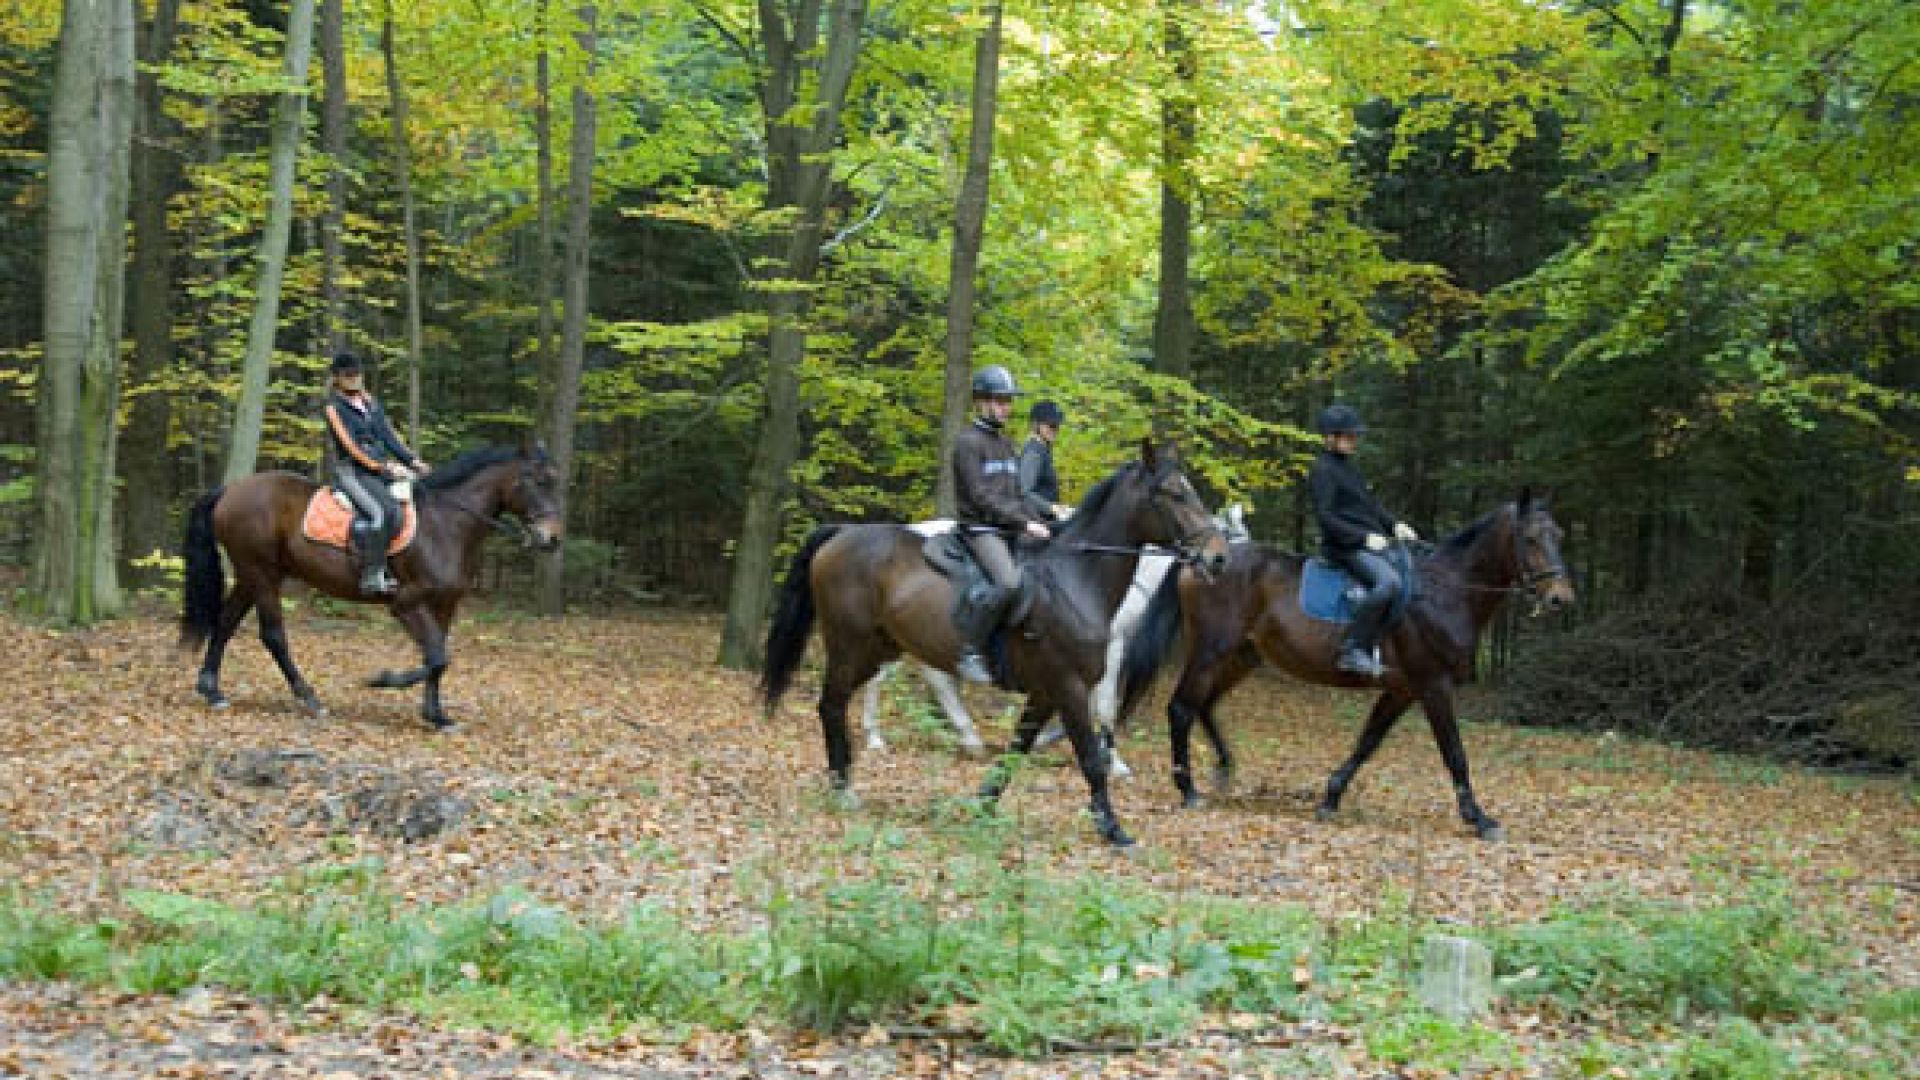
1173, 327
544, 358
969, 228
564, 407
799, 179
89, 136
156, 179
403, 175
333, 143
250, 411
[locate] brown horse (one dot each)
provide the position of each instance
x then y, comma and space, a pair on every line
877, 597
1251, 612
257, 521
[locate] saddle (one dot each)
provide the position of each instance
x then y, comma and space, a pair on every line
1327, 592
329, 516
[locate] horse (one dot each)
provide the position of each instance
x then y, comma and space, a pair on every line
1147, 576
877, 597
1251, 613
256, 520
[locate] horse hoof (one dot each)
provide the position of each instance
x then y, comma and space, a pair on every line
974, 751
1491, 831
1118, 769
314, 709
876, 747
218, 702
1325, 813
1118, 839
1192, 802
844, 800
1223, 781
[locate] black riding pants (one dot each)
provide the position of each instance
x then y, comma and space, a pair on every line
376, 505
1382, 582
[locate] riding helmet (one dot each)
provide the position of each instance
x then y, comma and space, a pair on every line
1340, 417
345, 363
1046, 412
994, 381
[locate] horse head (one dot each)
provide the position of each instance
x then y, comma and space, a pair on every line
1536, 542
1183, 518
535, 496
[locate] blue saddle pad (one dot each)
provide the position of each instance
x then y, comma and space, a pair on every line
1323, 590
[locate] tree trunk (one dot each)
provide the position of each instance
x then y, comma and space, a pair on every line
969, 227
403, 175
89, 136
799, 178
333, 143
250, 411
544, 359
564, 407
148, 470
1173, 327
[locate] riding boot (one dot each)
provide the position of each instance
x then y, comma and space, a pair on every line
372, 546
983, 615
1357, 650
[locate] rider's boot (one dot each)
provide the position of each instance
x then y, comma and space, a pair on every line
1358, 649
984, 616
371, 544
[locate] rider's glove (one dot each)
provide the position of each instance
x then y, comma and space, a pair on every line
1376, 542
1405, 534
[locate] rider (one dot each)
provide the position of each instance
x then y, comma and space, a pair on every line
366, 453
986, 485
1353, 532
1039, 484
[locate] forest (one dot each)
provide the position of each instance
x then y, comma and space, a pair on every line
725, 269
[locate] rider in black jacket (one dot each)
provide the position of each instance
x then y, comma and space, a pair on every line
986, 484
365, 453
1353, 533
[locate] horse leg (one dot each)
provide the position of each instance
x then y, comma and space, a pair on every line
1209, 674
1231, 673
1092, 753
947, 693
427, 632
845, 674
273, 634
1386, 711
1437, 702
1026, 735
239, 601
870, 709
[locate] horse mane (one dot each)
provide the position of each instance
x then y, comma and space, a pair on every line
461, 469
1093, 502
1470, 534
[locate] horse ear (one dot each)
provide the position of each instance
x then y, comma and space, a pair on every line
1149, 454
1526, 498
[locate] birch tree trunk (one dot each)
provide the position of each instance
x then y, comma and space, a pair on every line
403, 175
156, 173
969, 227
800, 145
564, 406
90, 129
250, 411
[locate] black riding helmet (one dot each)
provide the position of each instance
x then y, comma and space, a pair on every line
1340, 418
994, 381
345, 363
1046, 412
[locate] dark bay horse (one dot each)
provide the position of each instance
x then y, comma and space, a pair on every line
876, 598
257, 521
1251, 612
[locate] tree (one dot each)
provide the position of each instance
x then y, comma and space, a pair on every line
969, 225
89, 142
403, 176
801, 131
333, 144
155, 180
563, 407
249, 413
1173, 326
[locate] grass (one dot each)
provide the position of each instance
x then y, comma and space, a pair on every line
1756, 987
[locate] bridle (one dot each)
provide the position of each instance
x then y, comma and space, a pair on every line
521, 529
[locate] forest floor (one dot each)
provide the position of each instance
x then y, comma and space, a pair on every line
603, 762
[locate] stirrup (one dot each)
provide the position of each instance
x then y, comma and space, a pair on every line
377, 583
972, 667
1359, 662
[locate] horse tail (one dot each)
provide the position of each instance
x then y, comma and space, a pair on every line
200, 607
792, 619
1151, 642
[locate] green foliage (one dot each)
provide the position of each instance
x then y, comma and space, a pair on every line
1758, 957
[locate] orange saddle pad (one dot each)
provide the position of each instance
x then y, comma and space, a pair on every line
327, 522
